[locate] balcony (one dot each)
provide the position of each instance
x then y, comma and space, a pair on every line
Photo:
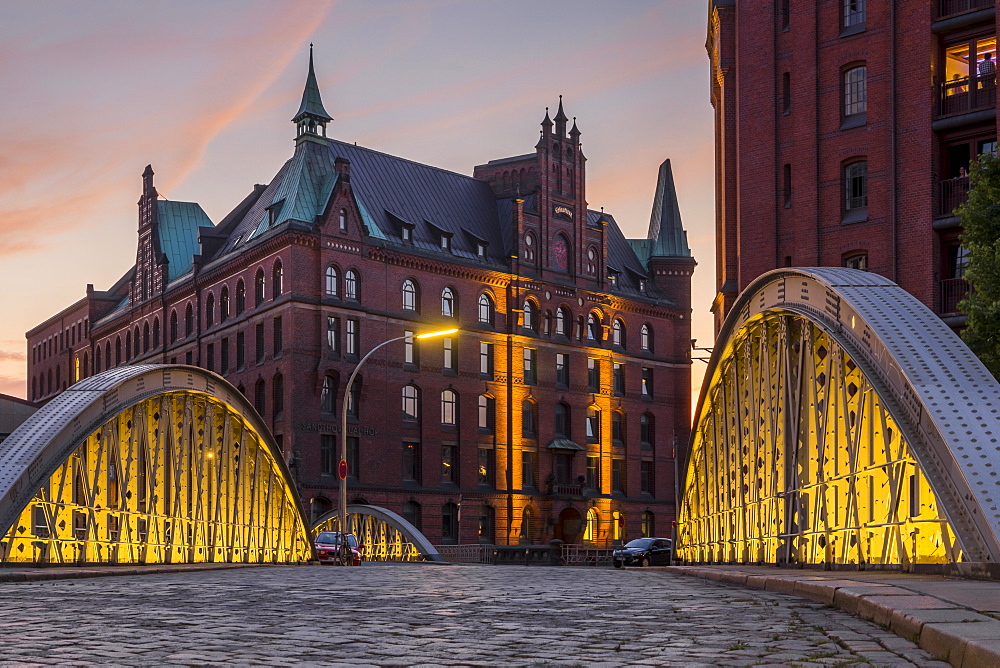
568, 490
948, 8
951, 193
960, 96
953, 290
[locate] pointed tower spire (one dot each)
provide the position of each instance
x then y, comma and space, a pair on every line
574, 132
665, 229
311, 118
561, 120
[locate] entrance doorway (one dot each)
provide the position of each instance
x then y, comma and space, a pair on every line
568, 527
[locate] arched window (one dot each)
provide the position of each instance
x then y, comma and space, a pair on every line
562, 415
487, 414
145, 337
646, 338
486, 310
258, 288
241, 297
449, 524
594, 424
156, 333
528, 418
97, 367
618, 333
411, 403
617, 428
210, 310
647, 433
259, 396
527, 530
448, 303
128, 347
332, 282
593, 328
276, 280
278, 395
449, 407
409, 295
351, 285
326, 396
135, 341
648, 524
189, 320
563, 320
590, 527
592, 261
107, 353
49, 381
85, 365
530, 315
411, 513
529, 247
343, 220
224, 304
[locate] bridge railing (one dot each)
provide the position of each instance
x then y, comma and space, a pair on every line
583, 555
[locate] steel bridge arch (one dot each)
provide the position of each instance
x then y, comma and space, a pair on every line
386, 535
842, 423
148, 464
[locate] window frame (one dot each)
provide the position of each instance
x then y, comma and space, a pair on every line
853, 95
850, 179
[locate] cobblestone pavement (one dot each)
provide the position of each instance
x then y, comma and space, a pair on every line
410, 614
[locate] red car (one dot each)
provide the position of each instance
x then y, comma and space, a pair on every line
330, 546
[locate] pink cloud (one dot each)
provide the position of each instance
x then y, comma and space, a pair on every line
15, 387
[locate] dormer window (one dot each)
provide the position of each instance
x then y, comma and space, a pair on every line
642, 285
407, 234
445, 242
480, 250
613, 279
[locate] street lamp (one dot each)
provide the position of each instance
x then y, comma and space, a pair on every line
342, 468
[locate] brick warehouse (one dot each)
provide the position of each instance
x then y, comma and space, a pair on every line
557, 411
844, 131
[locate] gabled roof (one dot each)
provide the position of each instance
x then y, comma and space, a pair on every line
178, 225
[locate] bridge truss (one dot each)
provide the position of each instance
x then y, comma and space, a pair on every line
385, 535
148, 464
841, 423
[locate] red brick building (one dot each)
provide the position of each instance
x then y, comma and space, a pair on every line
557, 409
844, 129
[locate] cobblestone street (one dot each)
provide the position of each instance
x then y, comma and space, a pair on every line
410, 614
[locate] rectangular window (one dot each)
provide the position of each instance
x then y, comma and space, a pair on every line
854, 12
449, 361
563, 468
529, 366
593, 375
619, 379
784, 14
486, 474
646, 477
562, 369
332, 336
277, 336
354, 400
618, 475
260, 342
240, 350
594, 473
647, 383
224, 352
855, 91
449, 464
327, 454
409, 351
486, 359
353, 338
786, 186
188, 358
487, 414
210, 357
527, 469
353, 458
856, 186
411, 461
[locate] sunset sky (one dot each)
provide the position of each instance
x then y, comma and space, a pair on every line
204, 90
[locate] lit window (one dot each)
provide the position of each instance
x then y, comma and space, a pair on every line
647, 382
590, 528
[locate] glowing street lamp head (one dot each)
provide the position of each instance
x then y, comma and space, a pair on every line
441, 333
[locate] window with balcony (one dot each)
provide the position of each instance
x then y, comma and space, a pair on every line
967, 76
954, 287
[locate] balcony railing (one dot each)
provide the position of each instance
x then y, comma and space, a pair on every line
952, 193
946, 8
960, 96
953, 290
568, 490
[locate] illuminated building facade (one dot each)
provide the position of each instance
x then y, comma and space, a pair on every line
558, 411
844, 133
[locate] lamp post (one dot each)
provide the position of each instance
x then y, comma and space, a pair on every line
345, 527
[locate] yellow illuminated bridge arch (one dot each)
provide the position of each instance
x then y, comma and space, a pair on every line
148, 464
842, 423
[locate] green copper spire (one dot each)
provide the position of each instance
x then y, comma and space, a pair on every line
665, 229
311, 117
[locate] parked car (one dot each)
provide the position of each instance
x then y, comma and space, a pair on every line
329, 546
643, 552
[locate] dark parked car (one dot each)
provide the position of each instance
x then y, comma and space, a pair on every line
644, 552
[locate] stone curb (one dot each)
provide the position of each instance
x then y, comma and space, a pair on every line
80, 572
963, 637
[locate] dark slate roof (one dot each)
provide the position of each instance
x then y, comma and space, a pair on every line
178, 224
665, 228
312, 103
621, 257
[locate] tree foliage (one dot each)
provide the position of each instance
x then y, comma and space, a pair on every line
981, 238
